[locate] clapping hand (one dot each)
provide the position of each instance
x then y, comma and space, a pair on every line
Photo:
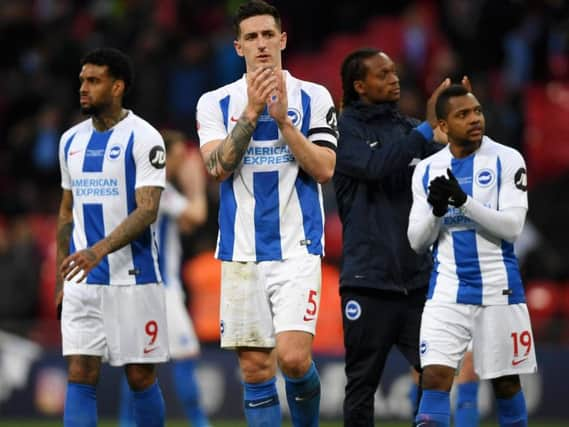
438, 197
449, 188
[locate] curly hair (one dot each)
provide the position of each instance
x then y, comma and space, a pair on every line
119, 64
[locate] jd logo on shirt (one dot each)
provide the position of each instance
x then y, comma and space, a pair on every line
521, 179
157, 157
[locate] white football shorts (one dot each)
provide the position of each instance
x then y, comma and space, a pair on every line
502, 339
182, 338
262, 299
122, 324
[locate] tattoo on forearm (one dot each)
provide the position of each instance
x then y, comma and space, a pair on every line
147, 200
230, 152
64, 230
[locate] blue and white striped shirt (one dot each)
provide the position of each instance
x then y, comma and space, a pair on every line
103, 171
471, 265
269, 208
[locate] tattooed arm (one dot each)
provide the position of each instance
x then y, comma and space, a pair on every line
223, 156
64, 230
80, 263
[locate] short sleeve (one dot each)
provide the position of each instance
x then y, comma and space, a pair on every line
323, 128
513, 181
64, 144
150, 158
209, 119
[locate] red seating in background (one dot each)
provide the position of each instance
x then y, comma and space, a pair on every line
543, 299
329, 337
202, 275
333, 236
546, 132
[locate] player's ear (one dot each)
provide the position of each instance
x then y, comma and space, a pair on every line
359, 87
443, 125
238, 47
283, 40
118, 87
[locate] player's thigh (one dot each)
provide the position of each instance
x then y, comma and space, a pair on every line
293, 287
135, 324
182, 338
445, 333
503, 341
245, 312
82, 324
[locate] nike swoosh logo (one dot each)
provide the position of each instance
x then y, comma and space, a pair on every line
149, 350
517, 362
233, 119
72, 153
255, 404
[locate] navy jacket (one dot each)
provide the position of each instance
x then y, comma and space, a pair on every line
374, 166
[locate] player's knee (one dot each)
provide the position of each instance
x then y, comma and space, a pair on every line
140, 377
506, 387
257, 369
82, 371
437, 377
294, 363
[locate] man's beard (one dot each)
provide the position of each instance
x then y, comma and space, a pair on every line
91, 110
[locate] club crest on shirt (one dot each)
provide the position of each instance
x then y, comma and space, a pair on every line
295, 116
115, 152
485, 178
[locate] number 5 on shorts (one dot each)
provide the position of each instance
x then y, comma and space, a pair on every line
312, 308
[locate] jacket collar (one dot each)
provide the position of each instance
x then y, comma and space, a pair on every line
367, 111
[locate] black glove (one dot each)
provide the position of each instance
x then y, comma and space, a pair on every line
450, 186
438, 196
457, 196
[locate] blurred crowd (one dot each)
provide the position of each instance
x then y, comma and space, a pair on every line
182, 48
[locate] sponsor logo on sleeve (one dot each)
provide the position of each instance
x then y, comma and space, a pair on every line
521, 179
331, 119
157, 157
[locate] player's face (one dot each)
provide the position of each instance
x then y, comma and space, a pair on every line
260, 42
97, 89
464, 123
381, 82
175, 157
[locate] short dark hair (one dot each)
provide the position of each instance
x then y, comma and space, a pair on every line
353, 68
441, 106
254, 8
119, 64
